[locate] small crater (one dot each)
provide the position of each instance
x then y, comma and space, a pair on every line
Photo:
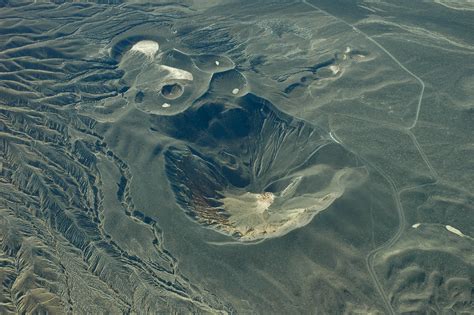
230, 82
172, 91
139, 97
213, 63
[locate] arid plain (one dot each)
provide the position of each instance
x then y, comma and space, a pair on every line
237, 157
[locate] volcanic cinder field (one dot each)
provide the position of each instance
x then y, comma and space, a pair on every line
237, 157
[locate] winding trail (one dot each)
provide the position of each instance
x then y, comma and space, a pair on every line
396, 192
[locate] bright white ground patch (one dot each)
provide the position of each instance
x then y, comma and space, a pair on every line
454, 230
335, 69
257, 216
156, 76
176, 73
146, 47
254, 216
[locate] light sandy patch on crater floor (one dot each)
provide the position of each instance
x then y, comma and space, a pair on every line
267, 215
147, 47
254, 173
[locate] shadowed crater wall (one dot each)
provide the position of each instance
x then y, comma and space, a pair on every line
250, 171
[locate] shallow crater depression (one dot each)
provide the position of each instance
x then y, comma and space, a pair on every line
172, 91
161, 81
251, 172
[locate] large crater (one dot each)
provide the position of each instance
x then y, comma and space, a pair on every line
249, 171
